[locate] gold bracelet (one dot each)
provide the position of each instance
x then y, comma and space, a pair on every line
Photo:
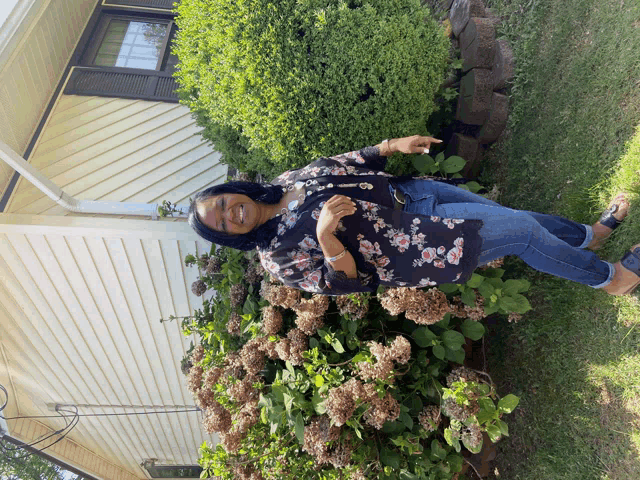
337, 257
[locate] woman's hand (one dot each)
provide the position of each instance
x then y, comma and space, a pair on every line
333, 210
413, 144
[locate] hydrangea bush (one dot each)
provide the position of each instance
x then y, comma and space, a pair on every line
277, 84
359, 386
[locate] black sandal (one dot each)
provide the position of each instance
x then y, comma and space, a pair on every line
631, 261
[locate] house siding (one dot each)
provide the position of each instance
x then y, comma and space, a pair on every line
122, 150
82, 300
30, 76
71, 453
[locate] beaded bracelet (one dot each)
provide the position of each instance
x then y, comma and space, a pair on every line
337, 257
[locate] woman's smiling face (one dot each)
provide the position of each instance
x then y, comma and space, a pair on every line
230, 213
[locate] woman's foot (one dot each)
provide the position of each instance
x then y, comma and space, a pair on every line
618, 209
627, 276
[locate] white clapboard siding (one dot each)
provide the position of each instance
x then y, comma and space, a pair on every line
29, 77
119, 150
80, 306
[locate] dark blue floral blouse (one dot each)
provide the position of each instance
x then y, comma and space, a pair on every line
390, 247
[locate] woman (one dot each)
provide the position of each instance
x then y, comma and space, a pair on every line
343, 225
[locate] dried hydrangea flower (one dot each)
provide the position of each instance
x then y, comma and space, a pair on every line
424, 308
234, 325
271, 320
309, 323
198, 287
280, 295
382, 410
194, 380
231, 440
247, 417
217, 419
316, 436
214, 265
317, 305
283, 348
238, 294
462, 374
254, 273
197, 354
472, 436
430, 418
515, 317
298, 344
252, 356
243, 392
497, 263
462, 310
211, 377
205, 398
354, 305
400, 350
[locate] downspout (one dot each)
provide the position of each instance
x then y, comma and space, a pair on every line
72, 204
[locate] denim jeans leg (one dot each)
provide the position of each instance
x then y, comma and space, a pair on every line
515, 232
431, 193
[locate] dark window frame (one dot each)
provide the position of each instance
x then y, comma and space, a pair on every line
100, 31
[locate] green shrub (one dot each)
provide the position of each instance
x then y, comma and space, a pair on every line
305, 78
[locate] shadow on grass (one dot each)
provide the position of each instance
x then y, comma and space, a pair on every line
579, 415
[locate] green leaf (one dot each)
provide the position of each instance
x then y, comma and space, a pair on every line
455, 462
423, 163
438, 351
512, 286
472, 330
469, 297
472, 448
390, 458
449, 288
455, 355
406, 419
494, 433
337, 346
486, 290
504, 428
318, 403
493, 272
508, 403
475, 280
300, 428
437, 450
474, 187
352, 326
319, 380
523, 305
453, 164
424, 337
448, 436
452, 339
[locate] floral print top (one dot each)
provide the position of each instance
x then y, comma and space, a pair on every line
390, 247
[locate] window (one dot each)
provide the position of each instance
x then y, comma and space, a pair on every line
174, 471
127, 54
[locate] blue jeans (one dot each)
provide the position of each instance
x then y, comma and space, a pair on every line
548, 243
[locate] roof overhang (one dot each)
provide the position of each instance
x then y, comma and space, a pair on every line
16, 26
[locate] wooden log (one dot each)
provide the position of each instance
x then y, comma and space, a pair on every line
478, 44
502, 65
476, 89
497, 119
462, 11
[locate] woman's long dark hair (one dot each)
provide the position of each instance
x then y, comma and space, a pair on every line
258, 237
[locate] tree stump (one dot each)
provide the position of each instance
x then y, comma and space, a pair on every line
478, 44
496, 120
462, 11
502, 65
476, 89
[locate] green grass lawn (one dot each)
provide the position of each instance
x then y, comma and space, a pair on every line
572, 143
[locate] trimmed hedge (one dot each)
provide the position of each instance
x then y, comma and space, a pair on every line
305, 78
